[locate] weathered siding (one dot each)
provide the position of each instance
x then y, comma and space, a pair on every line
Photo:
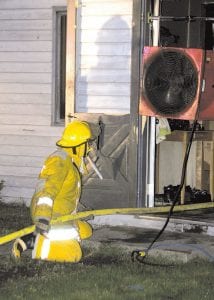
26, 65
26, 134
103, 56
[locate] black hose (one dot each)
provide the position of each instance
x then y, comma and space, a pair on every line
141, 255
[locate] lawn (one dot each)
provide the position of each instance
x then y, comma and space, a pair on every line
104, 273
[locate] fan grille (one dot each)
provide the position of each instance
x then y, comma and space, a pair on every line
170, 82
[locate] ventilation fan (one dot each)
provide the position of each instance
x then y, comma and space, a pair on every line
171, 82
207, 97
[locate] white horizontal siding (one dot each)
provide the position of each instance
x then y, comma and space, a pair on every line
24, 88
104, 57
92, 62
103, 89
30, 67
99, 110
19, 181
25, 46
25, 109
30, 35
99, 75
26, 134
32, 130
119, 8
22, 161
21, 191
26, 98
19, 200
23, 119
100, 1
18, 77
105, 36
25, 14
30, 4
24, 57
105, 49
16, 171
104, 103
27, 140
26, 25
106, 22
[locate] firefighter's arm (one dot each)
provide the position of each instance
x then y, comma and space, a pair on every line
50, 183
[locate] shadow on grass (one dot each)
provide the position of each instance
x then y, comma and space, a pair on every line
13, 217
14, 272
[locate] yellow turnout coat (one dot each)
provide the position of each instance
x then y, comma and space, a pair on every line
57, 193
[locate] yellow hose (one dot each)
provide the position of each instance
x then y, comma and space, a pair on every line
102, 212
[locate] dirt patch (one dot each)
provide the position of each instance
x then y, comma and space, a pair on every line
99, 261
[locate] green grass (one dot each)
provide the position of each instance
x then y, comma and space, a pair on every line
106, 273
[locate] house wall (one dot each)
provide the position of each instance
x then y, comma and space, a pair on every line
26, 65
26, 134
104, 35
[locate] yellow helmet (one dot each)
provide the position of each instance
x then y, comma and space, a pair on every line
75, 134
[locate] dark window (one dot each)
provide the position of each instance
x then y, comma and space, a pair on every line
60, 66
209, 33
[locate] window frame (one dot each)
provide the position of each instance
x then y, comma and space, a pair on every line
58, 13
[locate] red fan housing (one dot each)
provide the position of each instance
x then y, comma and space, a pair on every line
171, 82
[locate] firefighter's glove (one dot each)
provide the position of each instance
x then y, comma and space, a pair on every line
42, 226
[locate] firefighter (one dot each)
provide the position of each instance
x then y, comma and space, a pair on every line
57, 193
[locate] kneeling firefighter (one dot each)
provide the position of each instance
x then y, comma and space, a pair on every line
57, 193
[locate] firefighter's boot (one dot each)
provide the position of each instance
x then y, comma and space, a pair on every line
22, 244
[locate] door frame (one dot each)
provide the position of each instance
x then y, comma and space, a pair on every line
137, 147
138, 134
